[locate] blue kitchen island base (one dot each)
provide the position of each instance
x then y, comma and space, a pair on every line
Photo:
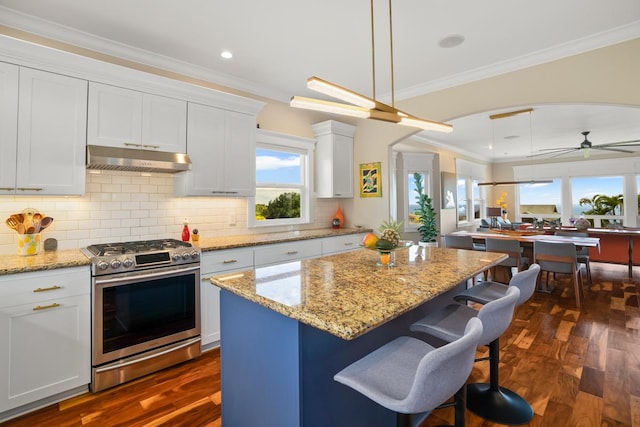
278, 372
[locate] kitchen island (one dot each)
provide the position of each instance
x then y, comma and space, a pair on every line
288, 328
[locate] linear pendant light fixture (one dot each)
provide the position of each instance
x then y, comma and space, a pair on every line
362, 106
530, 181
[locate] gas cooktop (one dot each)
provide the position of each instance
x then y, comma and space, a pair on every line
106, 249
115, 258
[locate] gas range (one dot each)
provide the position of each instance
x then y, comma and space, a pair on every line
112, 258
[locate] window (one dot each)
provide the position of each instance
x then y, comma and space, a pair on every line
282, 180
599, 199
471, 204
540, 201
412, 202
462, 200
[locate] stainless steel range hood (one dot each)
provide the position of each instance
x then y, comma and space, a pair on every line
131, 159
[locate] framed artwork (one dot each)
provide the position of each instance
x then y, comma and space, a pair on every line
370, 180
449, 190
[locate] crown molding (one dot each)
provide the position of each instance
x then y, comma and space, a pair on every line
48, 29
595, 41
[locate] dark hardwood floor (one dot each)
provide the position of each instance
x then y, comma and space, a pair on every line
577, 367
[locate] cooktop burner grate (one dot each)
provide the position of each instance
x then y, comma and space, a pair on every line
106, 249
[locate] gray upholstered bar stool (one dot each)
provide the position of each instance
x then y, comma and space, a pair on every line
489, 291
490, 401
409, 376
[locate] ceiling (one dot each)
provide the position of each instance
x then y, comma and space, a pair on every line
278, 44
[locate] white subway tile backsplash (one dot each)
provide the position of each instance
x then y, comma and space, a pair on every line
120, 206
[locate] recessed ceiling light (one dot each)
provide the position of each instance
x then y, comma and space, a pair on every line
451, 41
226, 54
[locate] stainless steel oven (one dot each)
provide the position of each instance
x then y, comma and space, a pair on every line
145, 308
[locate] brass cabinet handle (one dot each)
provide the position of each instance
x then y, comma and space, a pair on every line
131, 144
52, 288
45, 307
29, 189
150, 146
292, 252
229, 261
7, 188
205, 279
348, 243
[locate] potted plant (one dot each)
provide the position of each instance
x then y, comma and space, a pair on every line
426, 214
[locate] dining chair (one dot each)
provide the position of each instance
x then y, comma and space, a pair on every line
462, 242
510, 247
558, 257
582, 253
458, 242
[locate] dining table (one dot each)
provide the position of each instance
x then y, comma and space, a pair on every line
527, 239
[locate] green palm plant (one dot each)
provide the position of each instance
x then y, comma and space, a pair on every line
426, 214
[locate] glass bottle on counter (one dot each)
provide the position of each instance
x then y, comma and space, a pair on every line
185, 231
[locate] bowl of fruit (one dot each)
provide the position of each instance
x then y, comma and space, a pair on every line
387, 243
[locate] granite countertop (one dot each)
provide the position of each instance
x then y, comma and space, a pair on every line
348, 294
11, 264
243, 241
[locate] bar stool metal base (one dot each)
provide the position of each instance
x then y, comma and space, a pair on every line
500, 405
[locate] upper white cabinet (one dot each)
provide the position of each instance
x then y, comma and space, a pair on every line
334, 159
47, 153
8, 127
221, 146
126, 118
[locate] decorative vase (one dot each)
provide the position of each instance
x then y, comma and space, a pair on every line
340, 217
582, 224
387, 258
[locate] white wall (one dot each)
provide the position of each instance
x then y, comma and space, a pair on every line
125, 206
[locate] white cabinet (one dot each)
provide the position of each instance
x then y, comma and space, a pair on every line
8, 127
47, 153
221, 146
344, 243
45, 334
283, 252
127, 118
334, 159
214, 263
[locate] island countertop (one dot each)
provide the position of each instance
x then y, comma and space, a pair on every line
347, 294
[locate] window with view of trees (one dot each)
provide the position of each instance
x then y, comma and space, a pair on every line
282, 184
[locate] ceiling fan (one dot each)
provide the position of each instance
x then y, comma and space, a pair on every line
587, 145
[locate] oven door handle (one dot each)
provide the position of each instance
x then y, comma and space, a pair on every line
118, 364
146, 275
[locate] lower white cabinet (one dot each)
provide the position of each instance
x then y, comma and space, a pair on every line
45, 334
291, 251
214, 263
345, 243
218, 263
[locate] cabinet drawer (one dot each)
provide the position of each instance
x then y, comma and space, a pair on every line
337, 244
28, 288
283, 252
232, 259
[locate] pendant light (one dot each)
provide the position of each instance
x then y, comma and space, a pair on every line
362, 106
511, 114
